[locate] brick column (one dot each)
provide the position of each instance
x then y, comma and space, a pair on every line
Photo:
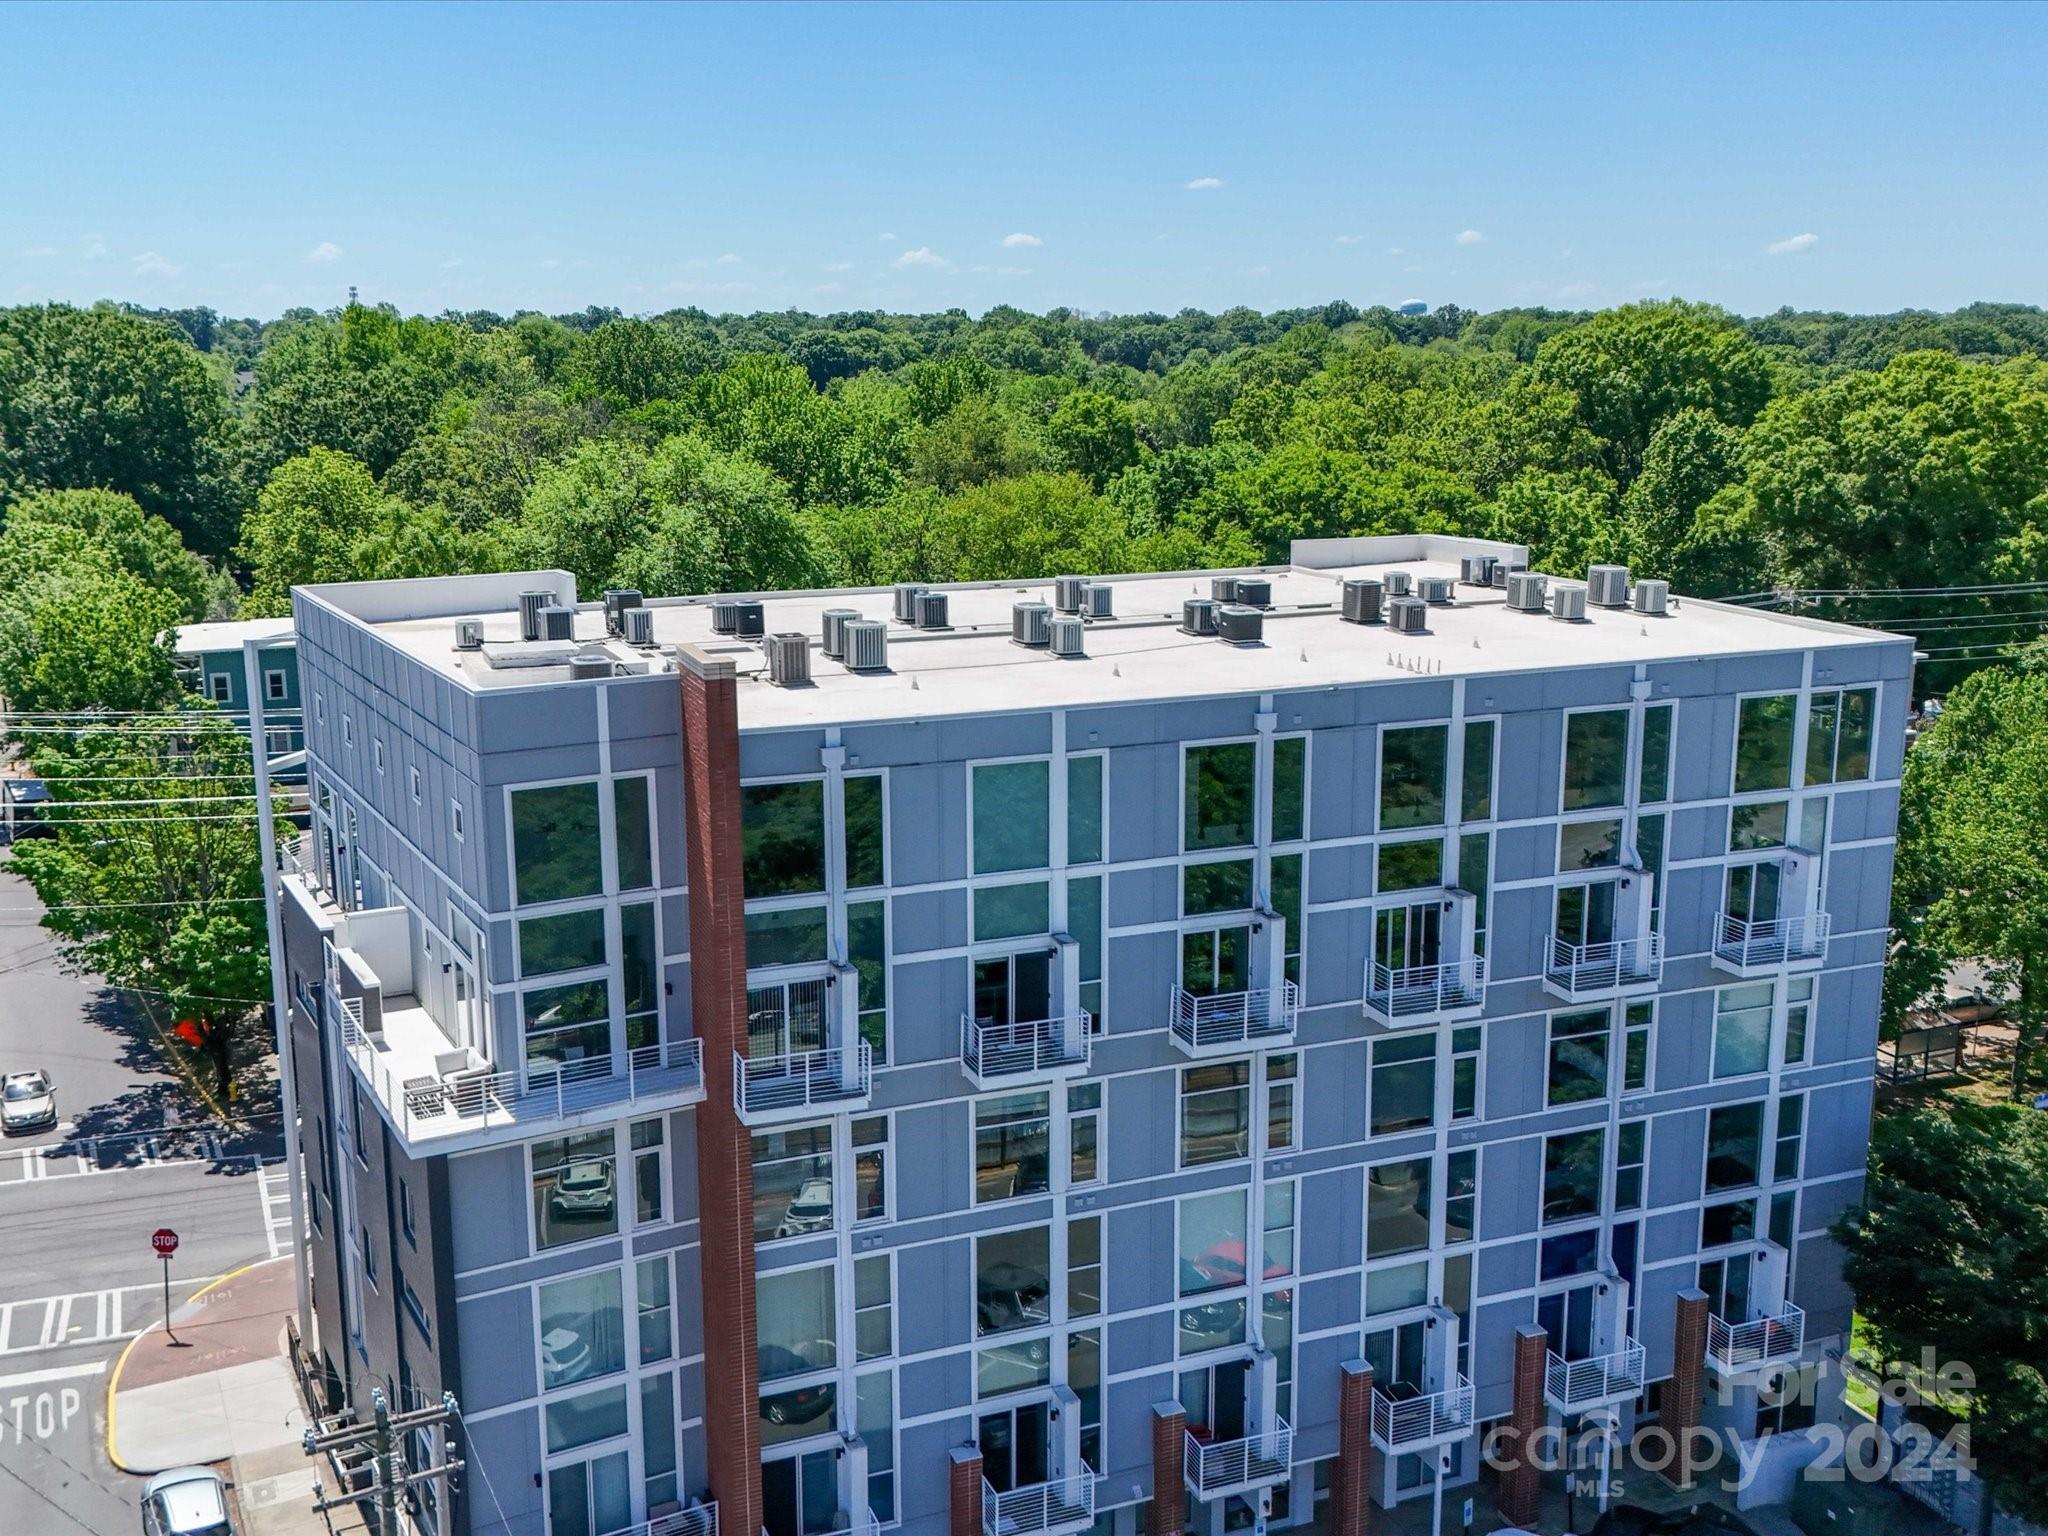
718, 998
965, 1480
1169, 1469
1350, 1503
1521, 1483
1682, 1393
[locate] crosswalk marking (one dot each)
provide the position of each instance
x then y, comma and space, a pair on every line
93, 1157
84, 1317
277, 1208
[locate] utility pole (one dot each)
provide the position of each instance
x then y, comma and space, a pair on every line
384, 1439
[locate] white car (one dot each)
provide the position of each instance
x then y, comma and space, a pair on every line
810, 1211
187, 1501
28, 1102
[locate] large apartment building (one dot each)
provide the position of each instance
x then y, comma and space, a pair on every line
1182, 1051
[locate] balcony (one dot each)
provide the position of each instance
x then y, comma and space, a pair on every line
802, 1085
1738, 1349
1215, 1469
1426, 994
1750, 948
1572, 1386
437, 1102
1055, 1508
697, 1520
993, 1055
1417, 1423
1581, 973
1230, 1023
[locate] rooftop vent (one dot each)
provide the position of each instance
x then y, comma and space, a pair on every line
1525, 591
469, 634
530, 606
1066, 593
1240, 624
1502, 571
1436, 589
1408, 616
1569, 604
1607, 586
725, 616
789, 659
1477, 570
1362, 599
588, 664
931, 610
907, 594
1399, 583
1098, 600
1068, 633
639, 626
1652, 597
558, 623
867, 645
1198, 615
748, 621
1222, 589
835, 630
617, 600
1255, 591
1031, 624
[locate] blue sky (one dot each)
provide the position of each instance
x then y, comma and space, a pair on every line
1147, 157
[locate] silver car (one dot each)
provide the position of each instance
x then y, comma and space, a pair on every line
186, 1501
28, 1102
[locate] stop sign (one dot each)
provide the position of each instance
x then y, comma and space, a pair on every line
164, 1241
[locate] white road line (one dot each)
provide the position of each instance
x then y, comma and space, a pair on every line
53, 1322
58, 1373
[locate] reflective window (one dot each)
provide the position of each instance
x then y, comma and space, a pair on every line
1219, 808
1012, 1147
1578, 1056
1734, 1146
1011, 816
782, 838
1411, 866
1215, 1112
1573, 1166
796, 1321
564, 941
1412, 776
866, 862
1397, 1207
1742, 1030
566, 1024
1012, 1280
557, 845
792, 1182
1084, 809
1461, 1196
1595, 759
582, 1328
1763, 743
1839, 723
1289, 809
633, 833
1403, 1089
1212, 1242
1476, 800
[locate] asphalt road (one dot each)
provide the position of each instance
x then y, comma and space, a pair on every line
134, 1150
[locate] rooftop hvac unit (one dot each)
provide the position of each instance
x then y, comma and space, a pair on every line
1408, 616
1525, 591
1607, 586
1222, 589
1477, 570
725, 616
907, 594
1255, 591
931, 610
558, 623
748, 622
1098, 600
1066, 593
1362, 599
1240, 624
789, 659
867, 645
639, 626
1031, 624
1568, 603
469, 634
1399, 583
1068, 634
1652, 597
1198, 615
617, 601
1502, 571
836, 620
1436, 589
531, 605
585, 665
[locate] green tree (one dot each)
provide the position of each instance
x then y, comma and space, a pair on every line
631, 362
722, 523
308, 518
85, 636
1949, 1255
1688, 518
1094, 434
52, 529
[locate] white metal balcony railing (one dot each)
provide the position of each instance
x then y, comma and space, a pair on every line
990, 1050
1218, 1467
697, 1520
1574, 1384
427, 1106
1760, 1342
1771, 941
1399, 992
1040, 1509
1229, 1020
1409, 1423
864, 1524
800, 1080
1583, 968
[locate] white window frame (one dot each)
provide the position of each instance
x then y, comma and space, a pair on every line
220, 687
275, 690
1453, 796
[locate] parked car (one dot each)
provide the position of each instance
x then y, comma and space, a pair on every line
186, 1501
810, 1211
794, 1405
23, 807
28, 1102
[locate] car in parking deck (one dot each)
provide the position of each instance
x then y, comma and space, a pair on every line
186, 1501
28, 1102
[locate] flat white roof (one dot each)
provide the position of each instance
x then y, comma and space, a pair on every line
1140, 655
226, 635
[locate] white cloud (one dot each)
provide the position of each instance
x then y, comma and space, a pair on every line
1349, 239
150, 264
1470, 237
1259, 271
1013, 271
91, 247
1013, 241
1793, 246
1395, 250
839, 266
40, 250
326, 250
921, 256
1205, 184
451, 263
728, 260
887, 237
549, 263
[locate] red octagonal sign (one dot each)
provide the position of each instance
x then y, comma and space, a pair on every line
164, 1241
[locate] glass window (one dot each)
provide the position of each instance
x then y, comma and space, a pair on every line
657, 1309
782, 838
1290, 788
792, 1182
1588, 845
633, 832
1012, 911
785, 936
871, 1168
1733, 1221
1012, 1146
1084, 1266
1653, 779
1287, 876
1397, 1207
565, 941
582, 1328
658, 1421
1084, 1376
1396, 1289
1734, 1146
1475, 860
1742, 1030
1635, 1056
1084, 1131
1785, 1219
645, 1139
1017, 1367
1403, 1093
1084, 926
1838, 729
867, 950
1573, 1164
1412, 776
584, 1420
640, 973
1212, 1242
1011, 816
1215, 1113
1756, 826
1476, 802
1411, 866
566, 1024
797, 1322
1595, 759
875, 1419
1280, 1071
1461, 1196
874, 1312
1791, 1130
1222, 887
1218, 789
1859, 727
557, 847
1798, 1015
1578, 1056
1012, 1280
866, 863
1630, 1150
1084, 809
1466, 1041
1763, 743
1279, 1224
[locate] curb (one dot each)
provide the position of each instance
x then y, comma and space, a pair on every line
114, 1376
176, 1060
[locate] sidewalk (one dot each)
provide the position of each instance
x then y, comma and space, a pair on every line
224, 1393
